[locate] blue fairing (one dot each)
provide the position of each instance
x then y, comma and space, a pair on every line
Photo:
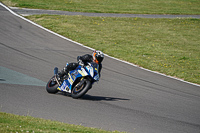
90, 70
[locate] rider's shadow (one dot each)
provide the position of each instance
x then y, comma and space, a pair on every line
101, 98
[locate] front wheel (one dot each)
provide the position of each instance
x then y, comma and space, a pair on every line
79, 91
52, 86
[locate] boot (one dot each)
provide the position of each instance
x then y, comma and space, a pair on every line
61, 74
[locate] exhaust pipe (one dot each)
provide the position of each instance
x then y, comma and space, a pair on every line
55, 73
55, 70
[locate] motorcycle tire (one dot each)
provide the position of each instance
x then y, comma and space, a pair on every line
52, 86
79, 92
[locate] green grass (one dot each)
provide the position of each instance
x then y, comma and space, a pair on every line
169, 46
113, 6
10, 123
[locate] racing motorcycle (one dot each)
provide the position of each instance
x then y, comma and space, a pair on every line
77, 82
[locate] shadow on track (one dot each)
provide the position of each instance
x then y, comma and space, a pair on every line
94, 98
101, 98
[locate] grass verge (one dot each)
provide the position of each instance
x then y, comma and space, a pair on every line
113, 6
169, 46
10, 123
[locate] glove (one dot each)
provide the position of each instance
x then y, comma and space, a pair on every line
80, 62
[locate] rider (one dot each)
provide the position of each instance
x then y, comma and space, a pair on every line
97, 57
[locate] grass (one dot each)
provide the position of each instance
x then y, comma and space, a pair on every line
10, 123
113, 6
169, 46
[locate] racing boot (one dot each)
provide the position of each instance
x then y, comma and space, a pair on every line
61, 74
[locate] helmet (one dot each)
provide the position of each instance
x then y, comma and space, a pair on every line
97, 56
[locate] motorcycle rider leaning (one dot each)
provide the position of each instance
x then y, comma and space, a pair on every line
97, 57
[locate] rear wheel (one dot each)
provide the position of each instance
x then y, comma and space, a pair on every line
52, 86
80, 90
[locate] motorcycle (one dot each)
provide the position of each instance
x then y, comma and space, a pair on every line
77, 82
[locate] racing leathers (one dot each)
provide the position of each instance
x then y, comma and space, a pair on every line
82, 60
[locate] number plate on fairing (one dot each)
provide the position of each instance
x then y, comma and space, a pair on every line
65, 86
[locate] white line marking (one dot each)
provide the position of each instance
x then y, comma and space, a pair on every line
92, 48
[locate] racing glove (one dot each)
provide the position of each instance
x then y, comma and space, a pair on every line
80, 62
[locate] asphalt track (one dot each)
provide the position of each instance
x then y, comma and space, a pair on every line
127, 98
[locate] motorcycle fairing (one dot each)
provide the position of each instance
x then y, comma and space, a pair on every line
72, 76
91, 69
94, 71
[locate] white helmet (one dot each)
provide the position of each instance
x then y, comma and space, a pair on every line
98, 56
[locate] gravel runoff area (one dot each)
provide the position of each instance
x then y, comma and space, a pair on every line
25, 12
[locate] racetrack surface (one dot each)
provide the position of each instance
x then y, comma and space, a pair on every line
126, 98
